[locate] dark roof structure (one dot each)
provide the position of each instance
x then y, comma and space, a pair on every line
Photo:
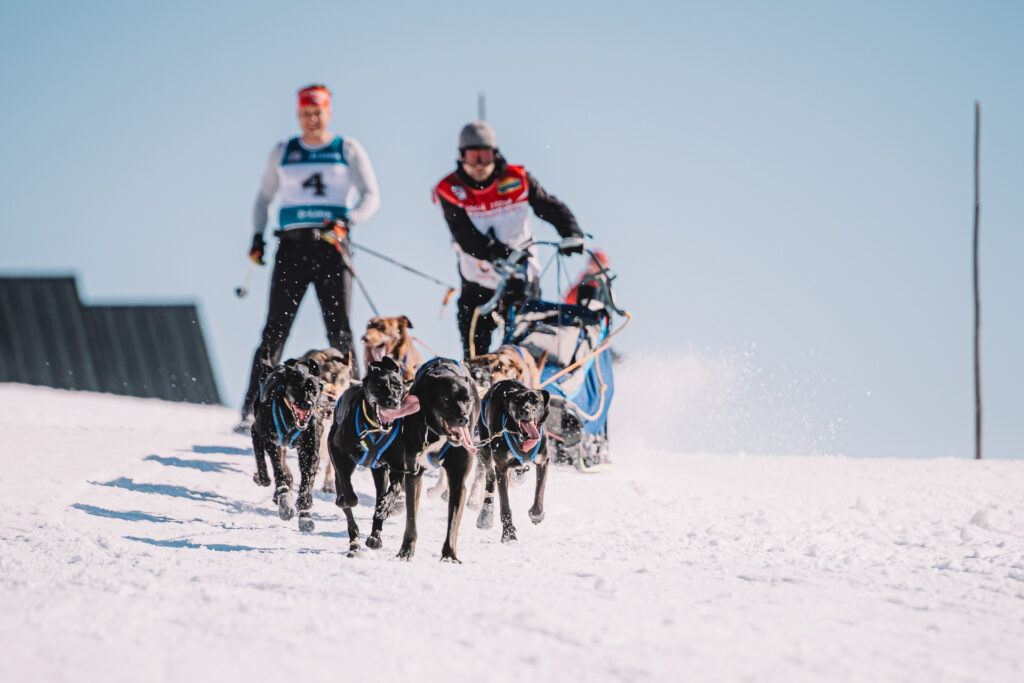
49, 337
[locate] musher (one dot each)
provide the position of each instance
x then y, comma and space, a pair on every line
487, 204
317, 177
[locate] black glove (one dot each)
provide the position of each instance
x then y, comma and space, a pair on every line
570, 245
496, 249
257, 249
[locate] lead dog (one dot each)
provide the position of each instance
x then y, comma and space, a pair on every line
365, 427
512, 436
389, 336
439, 434
284, 413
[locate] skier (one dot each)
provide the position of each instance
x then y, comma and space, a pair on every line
487, 203
316, 176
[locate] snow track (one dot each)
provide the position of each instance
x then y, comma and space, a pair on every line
134, 546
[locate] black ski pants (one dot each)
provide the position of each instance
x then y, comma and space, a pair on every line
474, 295
299, 262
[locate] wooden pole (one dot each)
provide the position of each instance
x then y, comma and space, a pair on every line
977, 299
480, 108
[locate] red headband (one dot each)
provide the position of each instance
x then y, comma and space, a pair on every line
316, 96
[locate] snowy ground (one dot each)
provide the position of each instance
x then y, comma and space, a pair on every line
134, 546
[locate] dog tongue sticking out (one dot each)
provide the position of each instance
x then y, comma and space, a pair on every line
378, 351
466, 439
410, 405
532, 434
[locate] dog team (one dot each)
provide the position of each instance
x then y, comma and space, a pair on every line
405, 416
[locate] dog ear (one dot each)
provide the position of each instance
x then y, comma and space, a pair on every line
404, 322
291, 362
546, 396
388, 363
314, 367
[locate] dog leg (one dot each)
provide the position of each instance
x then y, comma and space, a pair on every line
387, 491
346, 497
261, 477
329, 468
458, 468
309, 460
476, 493
508, 529
283, 484
413, 484
354, 549
486, 518
537, 511
441, 485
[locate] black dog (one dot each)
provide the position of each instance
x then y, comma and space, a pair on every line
366, 426
438, 433
512, 437
285, 416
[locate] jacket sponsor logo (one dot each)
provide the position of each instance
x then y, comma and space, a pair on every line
509, 185
295, 156
306, 214
459, 192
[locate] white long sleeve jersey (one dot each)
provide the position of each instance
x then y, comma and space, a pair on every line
317, 183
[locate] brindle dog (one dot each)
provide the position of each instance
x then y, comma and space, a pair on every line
285, 416
389, 336
336, 375
512, 436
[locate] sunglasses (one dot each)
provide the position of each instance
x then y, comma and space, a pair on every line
477, 157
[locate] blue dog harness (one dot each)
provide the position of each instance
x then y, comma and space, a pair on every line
286, 434
377, 447
518, 451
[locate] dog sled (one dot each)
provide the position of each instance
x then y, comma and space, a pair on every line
572, 343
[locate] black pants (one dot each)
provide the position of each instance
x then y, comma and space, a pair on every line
474, 295
300, 262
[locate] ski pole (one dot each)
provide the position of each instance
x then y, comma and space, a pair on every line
341, 231
392, 261
241, 291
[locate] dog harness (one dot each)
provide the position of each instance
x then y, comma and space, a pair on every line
286, 434
377, 447
281, 421
518, 451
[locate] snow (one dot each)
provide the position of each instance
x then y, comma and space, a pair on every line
134, 546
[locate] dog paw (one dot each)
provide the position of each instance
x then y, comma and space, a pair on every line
355, 550
373, 542
285, 506
485, 520
305, 522
450, 557
261, 479
328, 487
508, 535
536, 517
405, 554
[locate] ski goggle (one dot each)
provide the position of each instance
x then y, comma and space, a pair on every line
478, 157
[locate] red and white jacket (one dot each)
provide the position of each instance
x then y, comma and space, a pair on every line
504, 207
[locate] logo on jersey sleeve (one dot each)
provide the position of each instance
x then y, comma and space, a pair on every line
459, 192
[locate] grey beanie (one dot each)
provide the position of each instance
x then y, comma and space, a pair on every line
478, 134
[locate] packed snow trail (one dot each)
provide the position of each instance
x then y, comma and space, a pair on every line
135, 546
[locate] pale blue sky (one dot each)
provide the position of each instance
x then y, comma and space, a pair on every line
793, 178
